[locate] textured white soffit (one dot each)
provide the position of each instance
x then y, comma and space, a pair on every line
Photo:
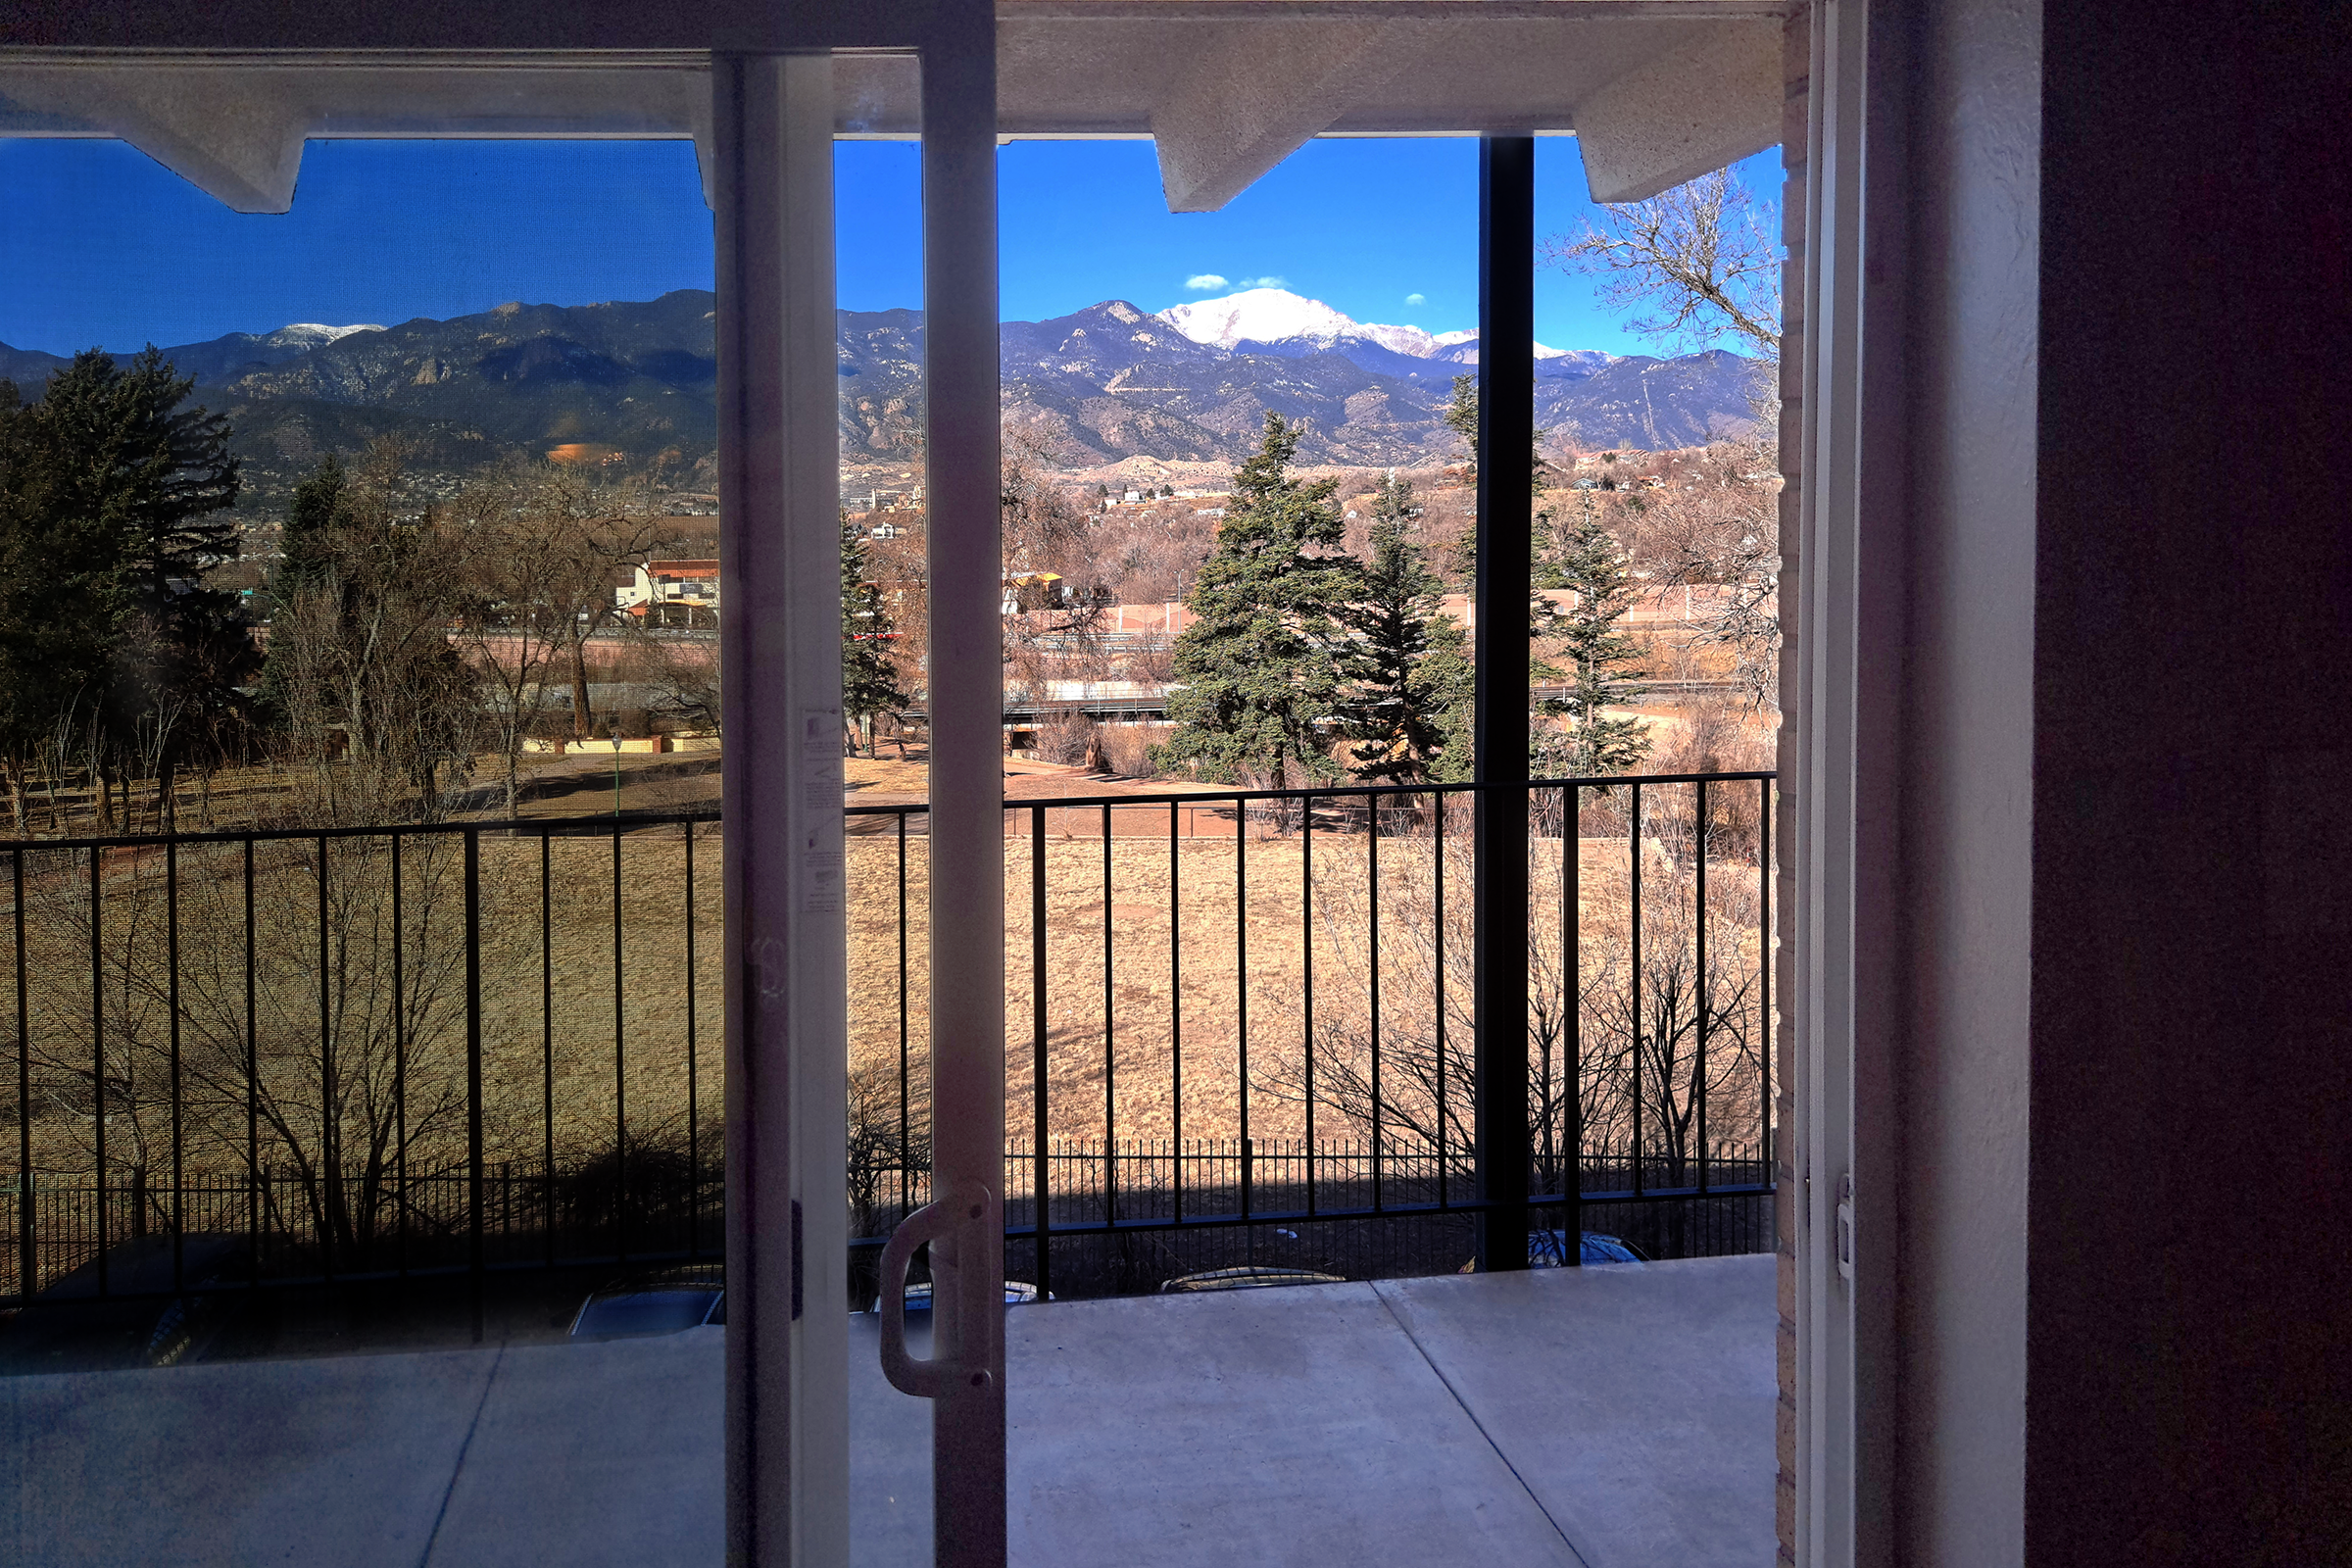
1713, 100
1260, 92
225, 133
236, 132
1657, 90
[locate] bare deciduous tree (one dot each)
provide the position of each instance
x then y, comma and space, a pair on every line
350, 1072
1609, 1042
1688, 268
1056, 627
513, 622
682, 668
1716, 532
374, 698
603, 531
1684, 266
883, 1147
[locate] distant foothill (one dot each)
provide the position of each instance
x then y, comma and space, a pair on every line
633, 383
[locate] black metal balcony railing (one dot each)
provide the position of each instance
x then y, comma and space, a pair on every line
278, 1058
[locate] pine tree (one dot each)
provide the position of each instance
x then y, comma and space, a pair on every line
1407, 682
309, 542
153, 474
1253, 677
869, 677
48, 661
130, 490
1461, 417
1600, 658
320, 507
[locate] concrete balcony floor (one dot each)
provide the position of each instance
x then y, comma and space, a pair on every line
1607, 1417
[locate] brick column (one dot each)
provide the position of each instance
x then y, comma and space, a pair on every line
1796, 68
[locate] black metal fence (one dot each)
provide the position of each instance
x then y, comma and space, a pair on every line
1329, 999
292, 1058
303, 1056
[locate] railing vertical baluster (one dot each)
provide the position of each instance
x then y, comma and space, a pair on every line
694, 1133
473, 1073
1765, 1109
620, 1084
1700, 984
1241, 991
1306, 964
1572, 1009
329, 1159
253, 1101
1632, 839
546, 1033
98, 1049
1437, 975
1168, 1169
28, 1242
1040, 1119
1176, 1005
1372, 965
400, 1069
906, 1137
1111, 1112
172, 961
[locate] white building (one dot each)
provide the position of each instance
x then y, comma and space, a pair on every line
692, 584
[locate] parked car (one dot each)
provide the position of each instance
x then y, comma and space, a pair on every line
665, 1302
1249, 1277
1548, 1249
1017, 1292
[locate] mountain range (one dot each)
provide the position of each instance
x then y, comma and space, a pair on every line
634, 382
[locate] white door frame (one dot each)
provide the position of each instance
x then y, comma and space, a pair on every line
787, 1410
1833, 1256
788, 1413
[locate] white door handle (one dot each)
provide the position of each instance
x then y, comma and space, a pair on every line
926, 1378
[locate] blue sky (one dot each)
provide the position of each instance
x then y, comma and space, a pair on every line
101, 246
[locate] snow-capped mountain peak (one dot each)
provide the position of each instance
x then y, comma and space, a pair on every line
310, 334
1276, 316
1259, 316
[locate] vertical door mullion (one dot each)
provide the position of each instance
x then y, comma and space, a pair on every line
785, 940
965, 701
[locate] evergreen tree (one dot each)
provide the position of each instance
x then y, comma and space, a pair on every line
320, 507
1600, 658
114, 496
150, 474
869, 677
1407, 682
1461, 417
319, 518
1253, 677
49, 660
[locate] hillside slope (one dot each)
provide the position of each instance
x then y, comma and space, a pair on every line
633, 383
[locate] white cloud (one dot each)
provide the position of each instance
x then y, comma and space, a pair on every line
1416, 298
1263, 282
1204, 280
